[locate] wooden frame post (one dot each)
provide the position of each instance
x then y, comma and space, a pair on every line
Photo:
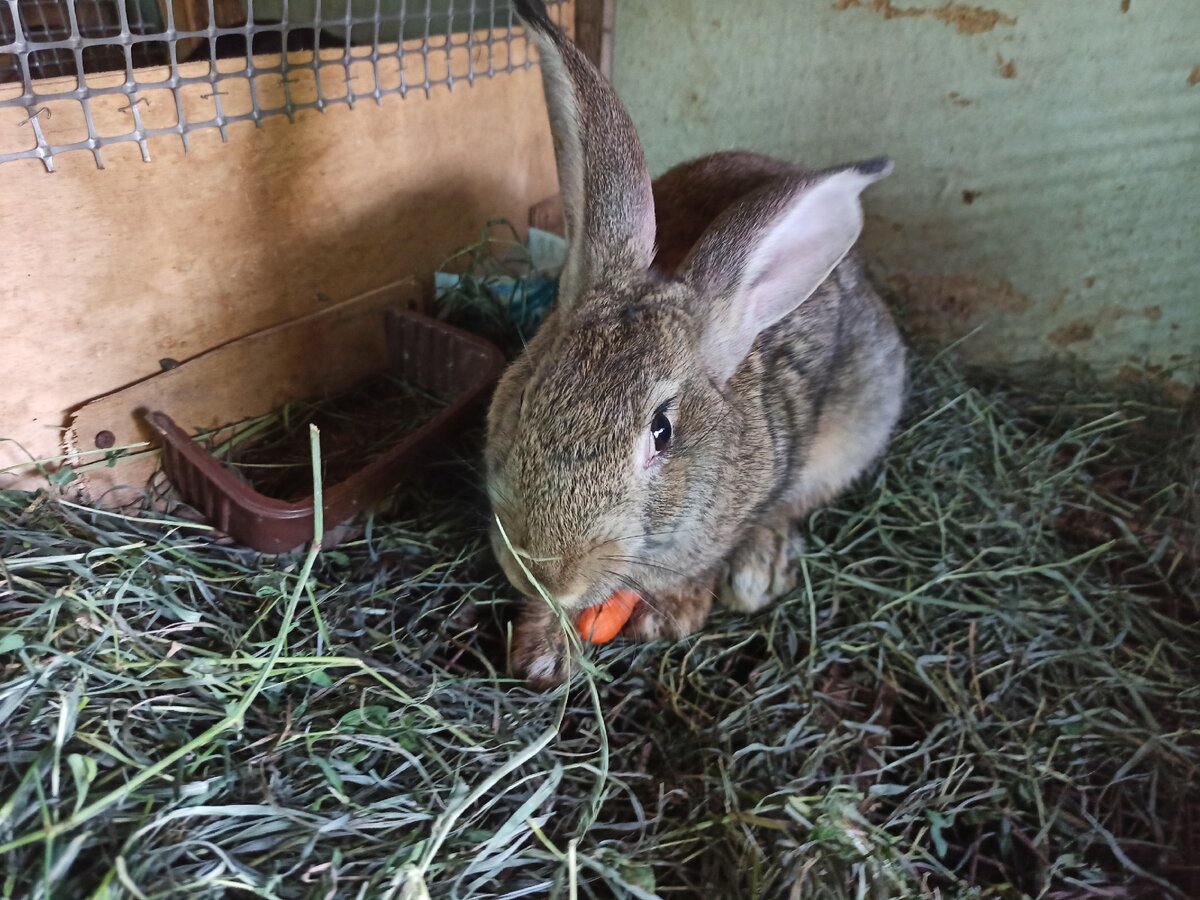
594, 32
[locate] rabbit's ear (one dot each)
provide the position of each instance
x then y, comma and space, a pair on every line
607, 203
766, 255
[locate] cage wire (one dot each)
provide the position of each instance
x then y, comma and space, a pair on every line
177, 67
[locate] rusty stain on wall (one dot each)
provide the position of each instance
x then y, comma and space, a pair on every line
972, 19
1140, 373
943, 308
1058, 209
1008, 67
1073, 333
967, 19
1079, 330
938, 310
883, 7
1194, 76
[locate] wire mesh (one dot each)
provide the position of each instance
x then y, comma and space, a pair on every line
83, 75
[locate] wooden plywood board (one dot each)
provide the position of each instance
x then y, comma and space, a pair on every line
548, 215
594, 32
324, 353
106, 272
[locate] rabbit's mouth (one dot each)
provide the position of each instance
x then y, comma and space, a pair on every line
577, 572
585, 588
594, 594
582, 594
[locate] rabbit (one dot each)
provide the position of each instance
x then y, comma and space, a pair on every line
678, 414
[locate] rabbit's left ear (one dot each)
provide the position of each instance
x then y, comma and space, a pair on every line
767, 254
607, 202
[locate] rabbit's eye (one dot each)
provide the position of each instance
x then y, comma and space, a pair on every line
660, 430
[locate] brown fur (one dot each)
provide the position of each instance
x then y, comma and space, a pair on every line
808, 407
691, 196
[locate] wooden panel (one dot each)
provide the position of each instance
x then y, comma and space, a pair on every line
106, 272
548, 216
594, 32
321, 354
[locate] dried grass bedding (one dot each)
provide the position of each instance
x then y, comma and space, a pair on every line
987, 685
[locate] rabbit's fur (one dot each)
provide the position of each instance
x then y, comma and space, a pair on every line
754, 332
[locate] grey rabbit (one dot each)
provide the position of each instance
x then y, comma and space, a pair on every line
683, 406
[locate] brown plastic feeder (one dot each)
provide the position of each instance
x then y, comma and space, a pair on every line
444, 361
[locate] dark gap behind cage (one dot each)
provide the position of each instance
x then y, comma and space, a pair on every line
49, 21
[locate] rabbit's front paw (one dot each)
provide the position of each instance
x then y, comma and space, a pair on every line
670, 615
540, 652
760, 570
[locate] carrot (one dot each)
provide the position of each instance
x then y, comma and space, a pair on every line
600, 624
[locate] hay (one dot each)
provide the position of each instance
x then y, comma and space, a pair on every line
271, 452
987, 684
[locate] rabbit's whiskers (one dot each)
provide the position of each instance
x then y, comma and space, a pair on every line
638, 561
633, 584
670, 532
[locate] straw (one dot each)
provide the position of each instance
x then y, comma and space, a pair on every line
987, 684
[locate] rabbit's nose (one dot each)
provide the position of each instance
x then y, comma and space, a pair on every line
522, 565
545, 571
554, 573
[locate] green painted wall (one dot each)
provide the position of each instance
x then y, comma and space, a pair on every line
1047, 186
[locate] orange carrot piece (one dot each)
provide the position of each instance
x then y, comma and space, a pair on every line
600, 624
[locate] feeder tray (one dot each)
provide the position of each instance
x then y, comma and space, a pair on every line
444, 361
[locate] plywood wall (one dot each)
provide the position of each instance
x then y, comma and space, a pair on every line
105, 273
1047, 183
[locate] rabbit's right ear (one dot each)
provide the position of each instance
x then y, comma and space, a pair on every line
766, 255
607, 202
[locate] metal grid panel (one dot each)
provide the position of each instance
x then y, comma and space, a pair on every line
49, 23
455, 41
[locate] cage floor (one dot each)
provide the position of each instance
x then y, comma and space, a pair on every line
987, 684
